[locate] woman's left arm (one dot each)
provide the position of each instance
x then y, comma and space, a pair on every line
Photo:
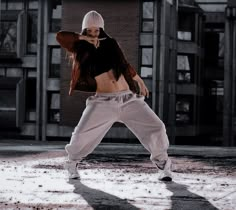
143, 89
133, 74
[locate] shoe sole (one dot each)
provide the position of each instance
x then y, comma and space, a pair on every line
166, 179
76, 177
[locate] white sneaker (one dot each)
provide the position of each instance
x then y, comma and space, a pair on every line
71, 166
166, 174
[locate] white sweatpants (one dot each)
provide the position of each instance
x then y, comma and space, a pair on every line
104, 109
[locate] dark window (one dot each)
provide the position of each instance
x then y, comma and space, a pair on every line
12, 4
32, 26
55, 16
184, 110
185, 64
186, 27
55, 60
214, 49
8, 37
53, 107
30, 100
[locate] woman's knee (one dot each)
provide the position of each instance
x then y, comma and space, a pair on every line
160, 127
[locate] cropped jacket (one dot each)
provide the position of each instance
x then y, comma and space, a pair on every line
84, 68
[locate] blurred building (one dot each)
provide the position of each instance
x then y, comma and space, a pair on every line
185, 51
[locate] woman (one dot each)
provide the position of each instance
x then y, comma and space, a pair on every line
100, 66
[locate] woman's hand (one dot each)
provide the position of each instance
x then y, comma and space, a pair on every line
143, 89
91, 40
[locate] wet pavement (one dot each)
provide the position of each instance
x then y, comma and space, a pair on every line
115, 176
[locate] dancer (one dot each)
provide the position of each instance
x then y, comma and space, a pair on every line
100, 66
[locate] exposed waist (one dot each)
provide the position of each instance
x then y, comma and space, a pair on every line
107, 83
117, 93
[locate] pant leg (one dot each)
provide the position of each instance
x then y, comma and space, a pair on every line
146, 125
96, 120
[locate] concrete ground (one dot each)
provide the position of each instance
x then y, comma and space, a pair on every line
115, 176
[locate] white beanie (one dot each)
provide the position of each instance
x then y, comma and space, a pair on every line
92, 19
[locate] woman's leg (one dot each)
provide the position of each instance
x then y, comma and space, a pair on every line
148, 128
96, 120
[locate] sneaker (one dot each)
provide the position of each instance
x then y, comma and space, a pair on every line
71, 166
166, 174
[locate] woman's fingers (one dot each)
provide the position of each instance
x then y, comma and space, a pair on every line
147, 93
144, 91
92, 40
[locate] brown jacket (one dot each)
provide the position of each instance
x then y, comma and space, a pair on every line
67, 41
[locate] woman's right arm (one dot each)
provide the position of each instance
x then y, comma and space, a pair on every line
67, 39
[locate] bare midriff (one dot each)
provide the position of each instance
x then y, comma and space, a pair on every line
106, 83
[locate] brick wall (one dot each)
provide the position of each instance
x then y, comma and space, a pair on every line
121, 22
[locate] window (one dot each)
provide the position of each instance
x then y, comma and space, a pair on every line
214, 49
7, 108
221, 50
148, 10
146, 39
8, 38
55, 23
185, 68
32, 25
53, 107
2, 72
30, 100
55, 60
186, 26
146, 71
183, 109
11, 106
18, 34
184, 35
14, 72
33, 4
147, 26
12, 4
146, 56
212, 6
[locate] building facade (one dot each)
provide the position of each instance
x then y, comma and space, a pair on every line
184, 50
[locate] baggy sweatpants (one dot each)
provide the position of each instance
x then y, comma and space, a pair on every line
103, 110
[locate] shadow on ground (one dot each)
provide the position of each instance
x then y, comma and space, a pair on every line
183, 199
100, 200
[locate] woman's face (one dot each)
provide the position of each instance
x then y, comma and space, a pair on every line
93, 32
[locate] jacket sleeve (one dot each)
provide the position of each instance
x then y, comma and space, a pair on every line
131, 71
67, 39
